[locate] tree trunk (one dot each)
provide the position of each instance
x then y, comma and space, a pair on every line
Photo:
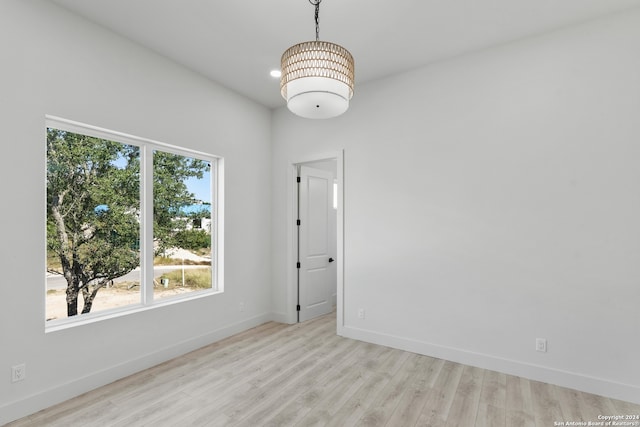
66, 255
89, 297
72, 300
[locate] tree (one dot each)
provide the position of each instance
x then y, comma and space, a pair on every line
171, 195
193, 239
93, 208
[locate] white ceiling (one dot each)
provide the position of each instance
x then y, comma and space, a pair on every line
237, 43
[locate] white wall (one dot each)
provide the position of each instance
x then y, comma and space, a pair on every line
492, 199
52, 62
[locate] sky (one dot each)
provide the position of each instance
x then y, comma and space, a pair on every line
201, 188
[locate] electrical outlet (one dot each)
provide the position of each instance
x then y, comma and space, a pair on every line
541, 345
361, 313
18, 373
241, 306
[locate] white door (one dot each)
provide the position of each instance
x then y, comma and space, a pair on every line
316, 206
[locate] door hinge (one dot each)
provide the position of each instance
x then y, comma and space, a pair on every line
298, 307
298, 222
297, 179
297, 265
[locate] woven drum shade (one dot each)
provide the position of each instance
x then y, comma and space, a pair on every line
317, 79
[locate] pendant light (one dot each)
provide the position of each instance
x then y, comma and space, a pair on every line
317, 77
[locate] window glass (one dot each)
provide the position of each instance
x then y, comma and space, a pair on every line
182, 224
93, 224
99, 187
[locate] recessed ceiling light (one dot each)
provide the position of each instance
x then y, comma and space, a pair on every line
276, 73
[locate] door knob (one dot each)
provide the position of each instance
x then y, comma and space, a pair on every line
331, 260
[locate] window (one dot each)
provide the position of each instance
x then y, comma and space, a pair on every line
131, 223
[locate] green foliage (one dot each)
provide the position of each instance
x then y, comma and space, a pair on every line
81, 176
193, 239
170, 193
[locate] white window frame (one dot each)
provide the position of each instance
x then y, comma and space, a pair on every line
147, 147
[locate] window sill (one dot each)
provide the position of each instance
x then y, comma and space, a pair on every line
86, 319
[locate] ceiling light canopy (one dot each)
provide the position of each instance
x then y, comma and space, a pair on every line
317, 77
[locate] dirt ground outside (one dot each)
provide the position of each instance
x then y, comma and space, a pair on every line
114, 297
124, 293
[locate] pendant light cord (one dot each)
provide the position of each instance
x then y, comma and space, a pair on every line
316, 3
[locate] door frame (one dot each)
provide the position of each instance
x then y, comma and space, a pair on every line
292, 239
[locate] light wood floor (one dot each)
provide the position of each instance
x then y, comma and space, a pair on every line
305, 375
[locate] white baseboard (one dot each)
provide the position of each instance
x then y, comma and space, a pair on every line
573, 380
17, 409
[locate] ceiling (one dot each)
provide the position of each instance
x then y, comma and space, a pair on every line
236, 43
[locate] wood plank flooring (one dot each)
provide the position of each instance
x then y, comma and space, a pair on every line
305, 375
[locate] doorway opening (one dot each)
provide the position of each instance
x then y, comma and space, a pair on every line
316, 247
